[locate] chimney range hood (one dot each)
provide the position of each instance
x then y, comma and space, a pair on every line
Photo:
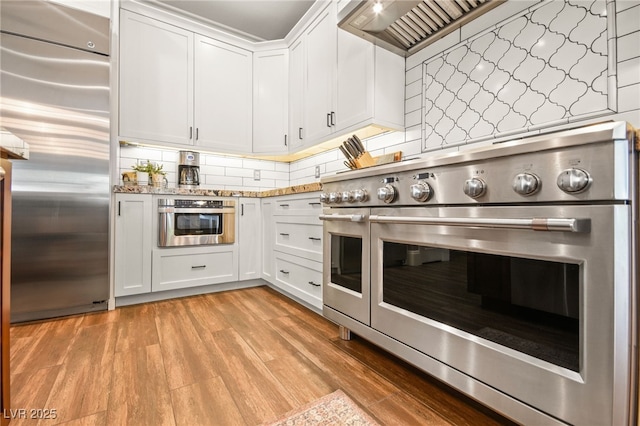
407, 26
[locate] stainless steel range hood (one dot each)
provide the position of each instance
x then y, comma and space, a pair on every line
407, 26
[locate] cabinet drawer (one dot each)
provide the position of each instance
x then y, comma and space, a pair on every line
308, 205
298, 238
300, 277
181, 268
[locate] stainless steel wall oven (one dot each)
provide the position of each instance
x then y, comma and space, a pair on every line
506, 271
185, 222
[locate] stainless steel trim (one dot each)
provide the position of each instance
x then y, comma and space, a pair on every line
535, 224
195, 210
343, 217
166, 223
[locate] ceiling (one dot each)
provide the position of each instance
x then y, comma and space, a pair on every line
255, 20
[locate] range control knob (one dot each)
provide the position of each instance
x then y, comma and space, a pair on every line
574, 180
360, 195
387, 194
474, 187
420, 191
526, 184
324, 198
347, 196
334, 197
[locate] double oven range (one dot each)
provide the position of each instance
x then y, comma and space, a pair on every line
505, 271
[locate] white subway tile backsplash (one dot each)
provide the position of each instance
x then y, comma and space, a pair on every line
627, 20
625, 4
413, 118
629, 98
211, 181
414, 74
237, 171
413, 89
217, 160
413, 104
629, 46
282, 167
258, 164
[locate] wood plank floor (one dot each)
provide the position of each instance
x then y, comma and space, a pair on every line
233, 358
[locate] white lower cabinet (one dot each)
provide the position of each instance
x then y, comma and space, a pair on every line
249, 239
133, 239
299, 276
190, 267
299, 236
293, 245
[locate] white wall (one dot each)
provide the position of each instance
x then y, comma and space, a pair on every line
234, 173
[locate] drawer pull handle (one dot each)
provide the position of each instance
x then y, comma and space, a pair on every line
314, 284
199, 267
314, 238
315, 204
284, 272
284, 205
283, 234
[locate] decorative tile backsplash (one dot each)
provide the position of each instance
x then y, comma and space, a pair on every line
541, 67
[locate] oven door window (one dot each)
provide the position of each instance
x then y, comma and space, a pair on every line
346, 262
529, 305
198, 224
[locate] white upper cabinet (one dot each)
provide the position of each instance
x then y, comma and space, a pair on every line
370, 85
180, 88
156, 80
270, 101
296, 94
320, 40
340, 83
223, 96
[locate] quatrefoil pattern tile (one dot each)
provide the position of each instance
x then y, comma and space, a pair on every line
544, 66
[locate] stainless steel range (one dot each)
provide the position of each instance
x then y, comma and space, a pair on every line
506, 271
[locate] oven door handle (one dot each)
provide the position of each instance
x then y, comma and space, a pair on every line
213, 210
343, 217
536, 224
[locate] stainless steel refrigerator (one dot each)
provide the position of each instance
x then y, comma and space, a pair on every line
54, 94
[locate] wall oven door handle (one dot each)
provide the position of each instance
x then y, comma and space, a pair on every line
343, 217
536, 224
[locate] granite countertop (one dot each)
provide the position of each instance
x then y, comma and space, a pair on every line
145, 189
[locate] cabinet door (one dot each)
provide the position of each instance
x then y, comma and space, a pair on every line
223, 95
156, 80
270, 101
249, 239
320, 39
354, 80
268, 240
296, 94
133, 244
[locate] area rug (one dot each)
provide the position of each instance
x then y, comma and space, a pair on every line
333, 409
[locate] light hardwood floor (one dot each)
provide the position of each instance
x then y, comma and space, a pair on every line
234, 358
